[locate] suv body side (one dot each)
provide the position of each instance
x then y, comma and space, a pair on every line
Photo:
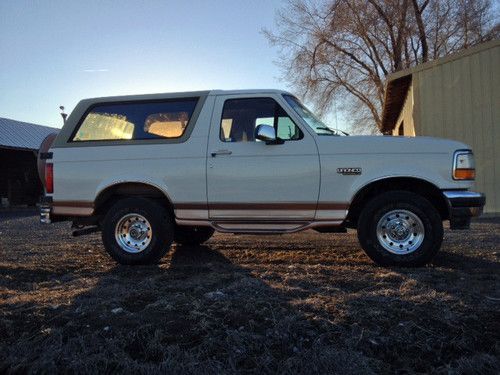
242, 186
151, 170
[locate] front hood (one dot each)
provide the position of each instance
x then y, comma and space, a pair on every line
387, 145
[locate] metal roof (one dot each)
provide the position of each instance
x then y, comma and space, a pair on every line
22, 135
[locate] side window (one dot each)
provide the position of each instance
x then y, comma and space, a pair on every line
240, 117
141, 120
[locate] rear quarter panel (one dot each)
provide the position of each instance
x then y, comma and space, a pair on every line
178, 169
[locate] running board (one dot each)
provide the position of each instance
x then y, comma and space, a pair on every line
262, 226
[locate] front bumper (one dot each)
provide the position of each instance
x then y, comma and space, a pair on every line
462, 206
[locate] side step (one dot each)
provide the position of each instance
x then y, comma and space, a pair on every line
274, 227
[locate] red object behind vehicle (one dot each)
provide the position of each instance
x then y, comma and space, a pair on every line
49, 178
44, 148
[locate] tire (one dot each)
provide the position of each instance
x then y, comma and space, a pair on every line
185, 235
400, 228
137, 231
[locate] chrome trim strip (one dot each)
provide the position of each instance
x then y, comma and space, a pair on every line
457, 194
304, 215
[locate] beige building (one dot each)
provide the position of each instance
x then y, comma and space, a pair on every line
455, 97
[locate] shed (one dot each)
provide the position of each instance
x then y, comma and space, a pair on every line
19, 144
455, 97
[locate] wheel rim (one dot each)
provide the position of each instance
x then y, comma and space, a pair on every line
133, 233
400, 232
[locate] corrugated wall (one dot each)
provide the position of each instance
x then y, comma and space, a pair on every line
460, 100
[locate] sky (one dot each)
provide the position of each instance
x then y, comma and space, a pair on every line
56, 53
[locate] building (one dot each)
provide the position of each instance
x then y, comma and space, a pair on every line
455, 97
19, 144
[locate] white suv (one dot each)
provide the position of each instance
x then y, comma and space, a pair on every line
152, 169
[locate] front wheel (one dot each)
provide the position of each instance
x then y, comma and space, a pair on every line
137, 231
400, 228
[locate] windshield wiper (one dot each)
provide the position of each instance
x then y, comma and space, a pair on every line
333, 131
327, 129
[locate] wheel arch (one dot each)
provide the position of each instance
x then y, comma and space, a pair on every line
107, 196
416, 185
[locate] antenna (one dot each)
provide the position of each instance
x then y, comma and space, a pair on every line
63, 115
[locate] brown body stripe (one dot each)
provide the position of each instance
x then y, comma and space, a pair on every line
263, 206
73, 204
231, 206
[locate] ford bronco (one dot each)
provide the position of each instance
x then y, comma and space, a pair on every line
150, 170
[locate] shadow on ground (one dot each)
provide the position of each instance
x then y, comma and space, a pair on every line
294, 304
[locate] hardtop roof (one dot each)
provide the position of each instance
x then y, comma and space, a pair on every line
182, 94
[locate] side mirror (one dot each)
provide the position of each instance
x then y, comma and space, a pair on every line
266, 133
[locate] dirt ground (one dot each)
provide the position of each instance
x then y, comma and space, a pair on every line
303, 303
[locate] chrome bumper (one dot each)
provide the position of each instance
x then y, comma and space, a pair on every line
45, 215
462, 206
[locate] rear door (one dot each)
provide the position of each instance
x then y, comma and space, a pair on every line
249, 179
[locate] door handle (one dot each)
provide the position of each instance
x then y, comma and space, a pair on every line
221, 152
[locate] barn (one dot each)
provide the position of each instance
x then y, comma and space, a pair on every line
19, 144
455, 97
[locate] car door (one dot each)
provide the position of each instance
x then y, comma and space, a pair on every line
248, 179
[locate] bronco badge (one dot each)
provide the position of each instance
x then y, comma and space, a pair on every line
349, 171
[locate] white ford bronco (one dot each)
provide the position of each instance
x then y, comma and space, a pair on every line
151, 170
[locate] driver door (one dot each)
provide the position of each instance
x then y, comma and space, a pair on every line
249, 180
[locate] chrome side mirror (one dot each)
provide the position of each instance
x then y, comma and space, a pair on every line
265, 133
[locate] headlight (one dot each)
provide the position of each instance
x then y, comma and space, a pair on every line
464, 167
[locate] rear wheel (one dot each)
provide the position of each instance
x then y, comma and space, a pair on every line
137, 231
186, 235
400, 228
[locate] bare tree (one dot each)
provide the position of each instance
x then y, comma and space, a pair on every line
342, 50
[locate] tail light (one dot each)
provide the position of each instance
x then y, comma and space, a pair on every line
49, 178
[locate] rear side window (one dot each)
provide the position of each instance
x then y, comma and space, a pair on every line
136, 121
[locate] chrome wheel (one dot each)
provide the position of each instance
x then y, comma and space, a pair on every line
400, 232
133, 233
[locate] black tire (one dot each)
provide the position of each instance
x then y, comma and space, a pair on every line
387, 202
185, 235
161, 235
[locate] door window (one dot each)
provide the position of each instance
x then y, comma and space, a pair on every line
240, 117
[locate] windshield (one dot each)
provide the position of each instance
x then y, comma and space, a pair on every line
318, 126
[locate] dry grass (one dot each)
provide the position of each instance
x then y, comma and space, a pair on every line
304, 303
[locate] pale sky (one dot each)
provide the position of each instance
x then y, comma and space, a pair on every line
56, 52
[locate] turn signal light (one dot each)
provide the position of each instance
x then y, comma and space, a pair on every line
49, 178
464, 174
464, 167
